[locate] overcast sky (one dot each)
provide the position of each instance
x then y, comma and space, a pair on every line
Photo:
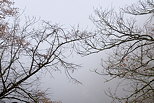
71, 13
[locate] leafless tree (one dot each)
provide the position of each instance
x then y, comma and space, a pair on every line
132, 43
28, 47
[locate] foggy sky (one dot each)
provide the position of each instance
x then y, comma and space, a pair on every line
70, 13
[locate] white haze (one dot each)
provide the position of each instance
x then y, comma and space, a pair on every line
70, 13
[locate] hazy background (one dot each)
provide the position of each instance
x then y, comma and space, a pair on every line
70, 13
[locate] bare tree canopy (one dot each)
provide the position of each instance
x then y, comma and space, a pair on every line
132, 45
28, 47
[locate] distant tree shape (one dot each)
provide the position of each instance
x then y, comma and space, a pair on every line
41, 97
27, 48
133, 49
